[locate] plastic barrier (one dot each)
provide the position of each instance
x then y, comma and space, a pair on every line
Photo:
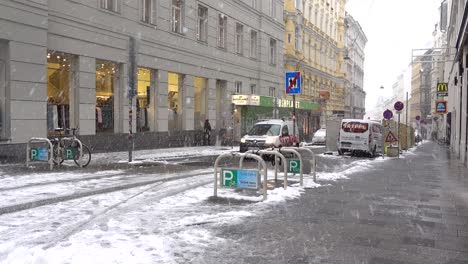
38, 155
241, 155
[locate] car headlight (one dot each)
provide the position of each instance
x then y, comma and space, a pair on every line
242, 140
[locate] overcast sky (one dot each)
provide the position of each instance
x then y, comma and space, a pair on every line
393, 28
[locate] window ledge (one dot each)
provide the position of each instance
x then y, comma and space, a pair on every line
153, 26
202, 42
110, 12
177, 33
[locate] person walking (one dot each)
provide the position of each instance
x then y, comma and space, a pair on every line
206, 132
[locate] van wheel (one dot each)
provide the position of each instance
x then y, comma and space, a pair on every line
340, 152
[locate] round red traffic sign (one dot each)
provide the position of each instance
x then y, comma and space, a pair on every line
399, 106
387, 114
418, 118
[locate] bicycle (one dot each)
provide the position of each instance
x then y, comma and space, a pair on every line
67, 147
443, 141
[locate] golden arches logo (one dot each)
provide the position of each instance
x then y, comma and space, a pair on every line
442, 87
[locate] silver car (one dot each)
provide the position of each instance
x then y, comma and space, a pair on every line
320, 137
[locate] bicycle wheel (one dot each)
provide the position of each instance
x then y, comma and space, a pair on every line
57, 156
86, 159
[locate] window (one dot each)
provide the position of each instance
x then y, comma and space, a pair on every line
107, 79
148, 11
222, 27
316, 16
298, 4
310, 13
111, 5
253, 44
272, 51
202, 26
253, 88
239, 38
238, 87
254, 4
177, 15
296, 38
285, 131
272, 91
273, 8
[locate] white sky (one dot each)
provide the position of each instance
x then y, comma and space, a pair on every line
393, 28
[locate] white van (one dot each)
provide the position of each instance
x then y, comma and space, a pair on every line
270, 133
360, 135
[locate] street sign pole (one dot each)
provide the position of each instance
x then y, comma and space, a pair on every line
131, 93
399, 134
294, 116
406, 122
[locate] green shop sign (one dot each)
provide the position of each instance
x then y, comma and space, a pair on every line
267, 101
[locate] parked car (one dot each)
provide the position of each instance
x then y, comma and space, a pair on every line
358, 135
320, 137
270, 133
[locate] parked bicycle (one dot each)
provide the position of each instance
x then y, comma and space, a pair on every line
443, 141
69, 147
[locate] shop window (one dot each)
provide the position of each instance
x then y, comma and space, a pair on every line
200, 101
143, 98
111, 5
148, 11
174, 98
177, 15
106, 80
202, 26
222, 31
58, 90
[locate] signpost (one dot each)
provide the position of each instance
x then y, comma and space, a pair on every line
388, 114
442, 89
441, 106
240, 179
293, 87
294, 166
398, 107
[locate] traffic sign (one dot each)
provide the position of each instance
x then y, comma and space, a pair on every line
294, 166
388, 114
418, 118
399, 106
441, 107
442, 89
39, 154
293, 82
391, 137
241, 179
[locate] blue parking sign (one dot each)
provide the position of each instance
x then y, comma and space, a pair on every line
293, 82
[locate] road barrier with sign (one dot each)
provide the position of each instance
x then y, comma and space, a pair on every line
312, 161
239, 178
39, 154
70, 152
299, 163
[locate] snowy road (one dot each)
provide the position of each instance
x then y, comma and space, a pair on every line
170, 219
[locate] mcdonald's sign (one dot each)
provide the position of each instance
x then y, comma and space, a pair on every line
442, 89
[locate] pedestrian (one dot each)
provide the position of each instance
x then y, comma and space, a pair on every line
206, 132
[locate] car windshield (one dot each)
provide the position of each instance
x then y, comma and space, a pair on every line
264, 129
320, 133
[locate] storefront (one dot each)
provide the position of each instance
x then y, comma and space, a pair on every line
107, 79
175, 102
250, 109
143, 101
199, 102
59, 83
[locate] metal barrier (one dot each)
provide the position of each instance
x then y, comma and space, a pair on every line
80, 148
277, 154
295, 152
38, 156
241, 155
313, 162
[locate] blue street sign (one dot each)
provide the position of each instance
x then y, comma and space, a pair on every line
293, 83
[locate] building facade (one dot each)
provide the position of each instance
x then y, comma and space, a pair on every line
456, 75
67, 64
355, 43
314, 41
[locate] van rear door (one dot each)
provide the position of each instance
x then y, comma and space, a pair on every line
354, 133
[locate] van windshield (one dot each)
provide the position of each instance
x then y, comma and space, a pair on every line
264, 129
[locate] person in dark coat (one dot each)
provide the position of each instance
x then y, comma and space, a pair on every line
206, 132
